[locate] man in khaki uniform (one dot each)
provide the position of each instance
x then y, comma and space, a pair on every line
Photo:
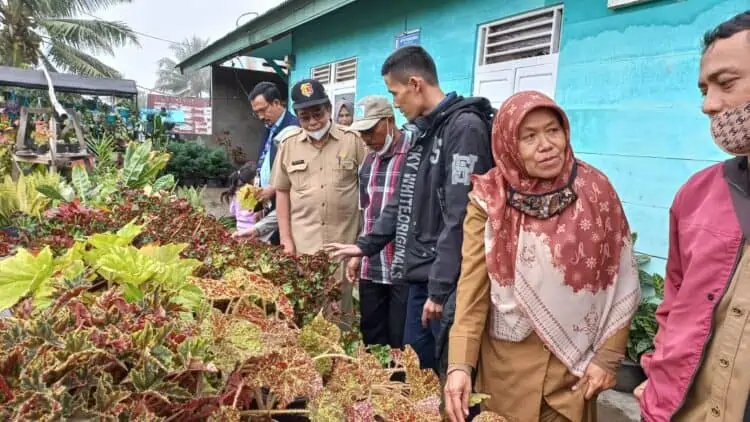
316, 180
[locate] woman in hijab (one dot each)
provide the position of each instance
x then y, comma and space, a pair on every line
548, 283
345, 113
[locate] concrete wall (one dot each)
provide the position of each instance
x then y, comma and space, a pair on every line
626, 77
231, 110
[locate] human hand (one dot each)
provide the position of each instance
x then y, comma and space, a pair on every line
339, 251
352, 269
250, 233
288, 245
596, 380
638, 392
457, 392
266, 194
430, 311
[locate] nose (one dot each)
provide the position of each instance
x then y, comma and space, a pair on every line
544, 144
712, 103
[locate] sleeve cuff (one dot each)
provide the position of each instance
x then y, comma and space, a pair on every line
365, 246
439, 290
463, 351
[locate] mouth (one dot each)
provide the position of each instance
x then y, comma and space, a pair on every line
549, 161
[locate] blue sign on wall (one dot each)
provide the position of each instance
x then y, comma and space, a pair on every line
408, 38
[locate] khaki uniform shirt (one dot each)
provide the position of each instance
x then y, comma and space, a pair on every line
719, 393
323, 186
514, 373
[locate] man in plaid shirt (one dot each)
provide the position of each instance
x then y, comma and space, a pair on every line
382, 303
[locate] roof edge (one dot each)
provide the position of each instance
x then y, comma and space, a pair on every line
269, 26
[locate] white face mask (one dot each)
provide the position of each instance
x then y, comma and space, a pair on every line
320, 133
388, 142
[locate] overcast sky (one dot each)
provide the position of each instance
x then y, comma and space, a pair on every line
172, 20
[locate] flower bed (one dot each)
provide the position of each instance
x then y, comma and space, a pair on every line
129, 304
114, 326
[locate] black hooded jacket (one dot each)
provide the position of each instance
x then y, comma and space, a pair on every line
425, 218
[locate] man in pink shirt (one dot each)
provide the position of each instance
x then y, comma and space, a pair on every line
699, 368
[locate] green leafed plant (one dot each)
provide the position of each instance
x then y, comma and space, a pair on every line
23, 195
142, 165
644, 326
24, 274
194, 196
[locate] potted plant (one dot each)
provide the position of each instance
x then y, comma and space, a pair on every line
642, 328
217, 167
40, 137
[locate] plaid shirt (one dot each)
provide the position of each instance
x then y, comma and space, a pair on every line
378, 182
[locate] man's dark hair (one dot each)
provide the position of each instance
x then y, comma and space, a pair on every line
410, 61
727, 29
268, 90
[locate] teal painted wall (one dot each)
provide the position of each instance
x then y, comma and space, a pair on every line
449, 32
627, 78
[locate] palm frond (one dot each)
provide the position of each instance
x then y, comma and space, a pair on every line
95, 36
67, 57
71, 8
169, 79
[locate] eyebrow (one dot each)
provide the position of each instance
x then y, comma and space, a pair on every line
715, 74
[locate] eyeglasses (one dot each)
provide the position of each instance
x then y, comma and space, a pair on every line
306, 116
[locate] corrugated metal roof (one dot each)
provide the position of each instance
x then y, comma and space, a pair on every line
263, 30
65, 82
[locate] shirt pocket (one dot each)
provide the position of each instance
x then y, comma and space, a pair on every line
299, 175
345, 175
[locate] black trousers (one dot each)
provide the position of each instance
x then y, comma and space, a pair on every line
383, 310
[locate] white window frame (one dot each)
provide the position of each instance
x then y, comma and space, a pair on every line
616, 4
333, 88
554, 39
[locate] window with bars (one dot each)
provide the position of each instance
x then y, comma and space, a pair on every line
529, 35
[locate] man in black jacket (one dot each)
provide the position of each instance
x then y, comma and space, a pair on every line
425, 219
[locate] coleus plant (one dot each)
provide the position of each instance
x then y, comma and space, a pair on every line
98, 355
306, 280
108, 257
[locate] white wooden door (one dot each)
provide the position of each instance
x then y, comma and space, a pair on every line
498, 82
496, 86
518, 54
539, 77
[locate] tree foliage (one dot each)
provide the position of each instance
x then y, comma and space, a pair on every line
171, 80
62, 34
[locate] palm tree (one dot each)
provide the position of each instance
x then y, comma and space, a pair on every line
169, 78
52, 32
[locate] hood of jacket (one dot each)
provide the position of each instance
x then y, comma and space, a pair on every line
455, 103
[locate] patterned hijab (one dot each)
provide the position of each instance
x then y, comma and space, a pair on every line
559, 252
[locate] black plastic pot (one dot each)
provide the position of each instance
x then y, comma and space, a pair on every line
188, 181
63, 148
74, 147
215, 183
41, 149
629, 376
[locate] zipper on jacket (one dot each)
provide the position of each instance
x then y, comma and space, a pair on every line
737, 260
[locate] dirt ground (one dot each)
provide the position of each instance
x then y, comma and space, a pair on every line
213, 204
